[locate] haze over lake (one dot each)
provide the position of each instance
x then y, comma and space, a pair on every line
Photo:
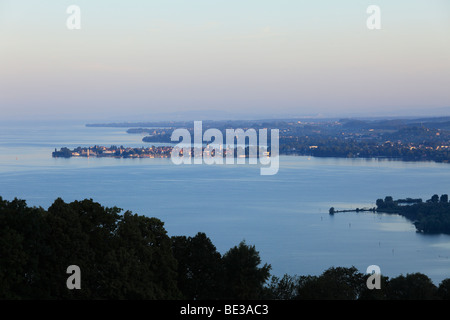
285, 216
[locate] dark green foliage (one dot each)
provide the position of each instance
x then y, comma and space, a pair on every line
334, 284
284, 288
431, 216
127, 256
443, 290
414, 286
21, 233
243, 278
204, 274
120, 256
349, 284
200, 268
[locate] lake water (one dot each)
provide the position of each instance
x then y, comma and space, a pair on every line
285, 215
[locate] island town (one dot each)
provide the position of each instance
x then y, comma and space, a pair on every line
114, 152
149, 152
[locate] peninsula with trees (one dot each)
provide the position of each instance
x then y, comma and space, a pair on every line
429, 217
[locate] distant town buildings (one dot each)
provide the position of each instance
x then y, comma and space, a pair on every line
115, 152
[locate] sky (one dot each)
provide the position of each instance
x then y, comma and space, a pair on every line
165, 59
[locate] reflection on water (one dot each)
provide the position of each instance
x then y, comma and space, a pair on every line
396, 226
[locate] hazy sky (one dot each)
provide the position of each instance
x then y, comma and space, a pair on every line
224, 57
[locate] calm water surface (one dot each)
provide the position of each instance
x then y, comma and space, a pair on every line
285, 216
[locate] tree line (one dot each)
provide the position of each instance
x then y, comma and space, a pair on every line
128, 256
430, 216
356, 148
121, 256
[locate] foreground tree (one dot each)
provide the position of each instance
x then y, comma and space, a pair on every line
120, 256
127, 256
443, 290
333, 284
244, 279
415, 286
284, 288
21, 244
200, 269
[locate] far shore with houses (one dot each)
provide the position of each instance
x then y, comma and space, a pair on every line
115, 152
149, 152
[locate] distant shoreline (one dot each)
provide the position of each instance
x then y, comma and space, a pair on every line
149, 152
404, 139
165, 152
